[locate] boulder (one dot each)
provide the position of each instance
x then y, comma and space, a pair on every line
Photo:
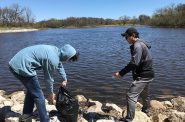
179, 103
18, 96
95, 108
167, 104
114, 106
139, 117
156, 105
2, 92
177, 116
12, 119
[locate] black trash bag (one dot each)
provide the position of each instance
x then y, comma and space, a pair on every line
66, 105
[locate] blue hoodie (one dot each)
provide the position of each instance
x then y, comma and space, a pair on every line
46, 57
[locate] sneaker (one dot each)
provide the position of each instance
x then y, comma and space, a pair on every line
25, 118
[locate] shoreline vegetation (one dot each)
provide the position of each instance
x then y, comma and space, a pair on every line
15, 16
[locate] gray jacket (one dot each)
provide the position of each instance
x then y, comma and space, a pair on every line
141, 61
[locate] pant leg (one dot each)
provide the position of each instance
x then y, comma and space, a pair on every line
28, 101
132, 96
36, 94
28, 104
145, 95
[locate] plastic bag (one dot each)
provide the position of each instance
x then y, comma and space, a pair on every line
67, 105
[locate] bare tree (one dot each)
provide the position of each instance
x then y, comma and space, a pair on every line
29, 16
124, 19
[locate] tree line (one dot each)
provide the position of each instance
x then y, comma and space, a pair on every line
15, 16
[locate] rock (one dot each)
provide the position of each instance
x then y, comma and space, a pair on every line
167, 104
12, 119
179, 103
159, 118
18, 96
138, 106
156, 105
81, 98
139, 117
115, 107
50, 108
177, 116
95, 108
2, 99
2, 92
7, 103
17, 108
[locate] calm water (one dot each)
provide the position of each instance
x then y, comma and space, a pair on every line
103, 51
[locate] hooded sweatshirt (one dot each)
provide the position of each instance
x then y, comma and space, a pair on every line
46, 57
141, 61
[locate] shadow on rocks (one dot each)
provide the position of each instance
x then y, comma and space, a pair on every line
54, 113
6, 112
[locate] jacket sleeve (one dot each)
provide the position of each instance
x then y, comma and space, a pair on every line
134, 62
48, 69
61, 71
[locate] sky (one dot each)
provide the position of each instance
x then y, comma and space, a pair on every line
113, 9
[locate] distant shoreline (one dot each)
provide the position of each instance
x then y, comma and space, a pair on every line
14, 30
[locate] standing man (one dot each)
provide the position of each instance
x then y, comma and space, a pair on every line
24, 65
142, 72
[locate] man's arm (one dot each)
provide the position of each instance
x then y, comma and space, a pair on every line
63, 74
134, 62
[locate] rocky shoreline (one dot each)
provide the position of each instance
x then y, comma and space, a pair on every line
14, 30
161, 111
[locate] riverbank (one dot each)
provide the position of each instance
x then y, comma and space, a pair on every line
14, 30
161, 111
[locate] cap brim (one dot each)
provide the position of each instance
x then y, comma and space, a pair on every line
123, 34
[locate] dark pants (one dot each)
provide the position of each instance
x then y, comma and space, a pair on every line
34, 95
137, 88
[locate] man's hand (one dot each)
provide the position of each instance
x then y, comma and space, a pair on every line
52, 98
64, 83
116, 75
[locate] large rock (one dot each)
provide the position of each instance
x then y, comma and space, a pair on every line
12, 119
156, 105
159, 118
177, 116
114, 106
2, 92
139, 117
167, 104
2, 99
179, 103
8, 103
18, 96
95, 108
17, 108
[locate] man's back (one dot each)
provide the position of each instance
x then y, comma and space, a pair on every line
34, 57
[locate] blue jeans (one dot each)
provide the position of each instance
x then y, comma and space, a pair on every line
137, 88
35, 95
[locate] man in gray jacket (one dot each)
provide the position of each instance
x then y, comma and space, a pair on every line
24, 65
142, 72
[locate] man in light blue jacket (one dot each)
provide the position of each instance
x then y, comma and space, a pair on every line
24, 65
